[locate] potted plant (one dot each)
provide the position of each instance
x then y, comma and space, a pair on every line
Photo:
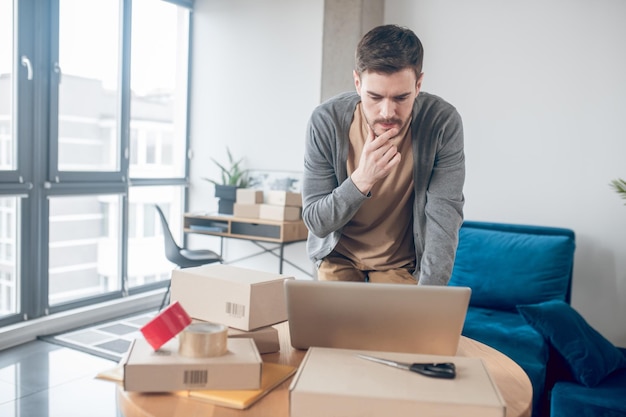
233, 176
619, 185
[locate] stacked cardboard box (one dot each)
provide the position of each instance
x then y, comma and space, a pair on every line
265, 338
242, 298
248, 203
281, 205
246, 301
268, 205
249, 302
147, 370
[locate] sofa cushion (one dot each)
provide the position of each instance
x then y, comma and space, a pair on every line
589, 355
604, 400
505, 269
509, 333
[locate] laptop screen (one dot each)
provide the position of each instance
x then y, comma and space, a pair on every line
379, 317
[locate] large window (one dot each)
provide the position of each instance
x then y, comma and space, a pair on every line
93, 133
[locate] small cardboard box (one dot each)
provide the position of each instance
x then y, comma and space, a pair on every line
147, 370
242, 298
282, 198
249, 196
336, 382
265, 338
280, 213
251, 211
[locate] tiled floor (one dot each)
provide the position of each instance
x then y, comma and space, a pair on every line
40, 379
109, 340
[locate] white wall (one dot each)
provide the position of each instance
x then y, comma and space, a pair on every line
540, 86
256, 77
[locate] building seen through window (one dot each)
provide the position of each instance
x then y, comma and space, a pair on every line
83, 227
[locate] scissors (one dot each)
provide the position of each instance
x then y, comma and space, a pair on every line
434, 370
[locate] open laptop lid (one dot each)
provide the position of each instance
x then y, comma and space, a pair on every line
379, 317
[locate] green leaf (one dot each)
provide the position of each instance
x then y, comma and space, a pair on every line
233, 174
619, 185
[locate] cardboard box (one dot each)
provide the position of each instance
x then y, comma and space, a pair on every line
282, 198
147, 370
280, 213
265, 338
336, 382
249, 196
251, 211
242, 298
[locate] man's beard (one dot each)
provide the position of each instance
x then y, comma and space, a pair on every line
398, 123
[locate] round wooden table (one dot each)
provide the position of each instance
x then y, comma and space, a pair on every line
512, 382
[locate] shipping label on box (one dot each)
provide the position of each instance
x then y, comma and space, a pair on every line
250, 211
241, 298
336, 382
249, 196
280, 213
147, 370
282, 198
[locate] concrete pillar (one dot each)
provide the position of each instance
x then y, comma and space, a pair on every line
345, 22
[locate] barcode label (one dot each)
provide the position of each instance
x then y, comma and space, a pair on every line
196, 377
235, 310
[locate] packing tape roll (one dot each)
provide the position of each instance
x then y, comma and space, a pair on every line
166, 325
202, 340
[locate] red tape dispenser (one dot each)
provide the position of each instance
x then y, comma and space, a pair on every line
167, 324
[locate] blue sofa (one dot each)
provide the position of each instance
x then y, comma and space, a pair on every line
521, 277
568, 397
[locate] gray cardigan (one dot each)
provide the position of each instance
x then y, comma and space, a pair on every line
330, 198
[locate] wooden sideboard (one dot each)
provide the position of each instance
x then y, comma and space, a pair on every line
245, 228
256, 231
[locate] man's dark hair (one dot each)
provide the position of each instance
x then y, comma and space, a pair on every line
388, 49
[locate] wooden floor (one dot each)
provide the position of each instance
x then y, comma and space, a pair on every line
40, 379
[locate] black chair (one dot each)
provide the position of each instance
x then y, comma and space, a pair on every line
181, 257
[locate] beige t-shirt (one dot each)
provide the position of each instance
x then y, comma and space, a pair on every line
380, 235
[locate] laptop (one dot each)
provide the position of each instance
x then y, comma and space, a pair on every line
374, 316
